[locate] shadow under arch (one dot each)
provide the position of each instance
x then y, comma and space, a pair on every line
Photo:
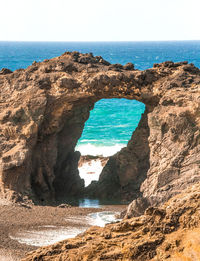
122, 175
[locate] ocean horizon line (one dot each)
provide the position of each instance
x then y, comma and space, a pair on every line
101, 41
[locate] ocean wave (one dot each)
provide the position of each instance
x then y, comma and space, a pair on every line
90, 149
87, 140
120, 125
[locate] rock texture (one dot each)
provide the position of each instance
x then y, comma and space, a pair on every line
170, 232
162, 157
43, 110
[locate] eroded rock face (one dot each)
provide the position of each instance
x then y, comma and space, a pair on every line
170, 232
43, 111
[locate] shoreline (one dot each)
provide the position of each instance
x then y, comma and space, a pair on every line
17, 219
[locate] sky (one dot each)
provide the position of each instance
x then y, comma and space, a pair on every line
99, 20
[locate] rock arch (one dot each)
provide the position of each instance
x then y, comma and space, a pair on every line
44, 108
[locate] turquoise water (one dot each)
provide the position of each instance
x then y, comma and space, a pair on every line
112, 121
110, 126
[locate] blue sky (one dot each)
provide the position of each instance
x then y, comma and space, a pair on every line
99, 20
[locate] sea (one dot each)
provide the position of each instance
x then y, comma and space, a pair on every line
112, 121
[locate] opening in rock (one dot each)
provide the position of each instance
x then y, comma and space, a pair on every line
109, 128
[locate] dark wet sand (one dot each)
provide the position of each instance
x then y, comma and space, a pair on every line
15, 219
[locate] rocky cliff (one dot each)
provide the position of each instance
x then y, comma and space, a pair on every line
43, 110
170, 232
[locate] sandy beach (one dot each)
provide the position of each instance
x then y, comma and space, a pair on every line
34, 224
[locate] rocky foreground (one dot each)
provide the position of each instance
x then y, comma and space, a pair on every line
170, 232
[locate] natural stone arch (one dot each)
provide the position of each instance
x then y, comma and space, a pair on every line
44, 108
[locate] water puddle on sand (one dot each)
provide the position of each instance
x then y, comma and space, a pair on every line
46, 235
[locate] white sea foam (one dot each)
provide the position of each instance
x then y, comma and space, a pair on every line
102, 218
90, 171
90, 149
